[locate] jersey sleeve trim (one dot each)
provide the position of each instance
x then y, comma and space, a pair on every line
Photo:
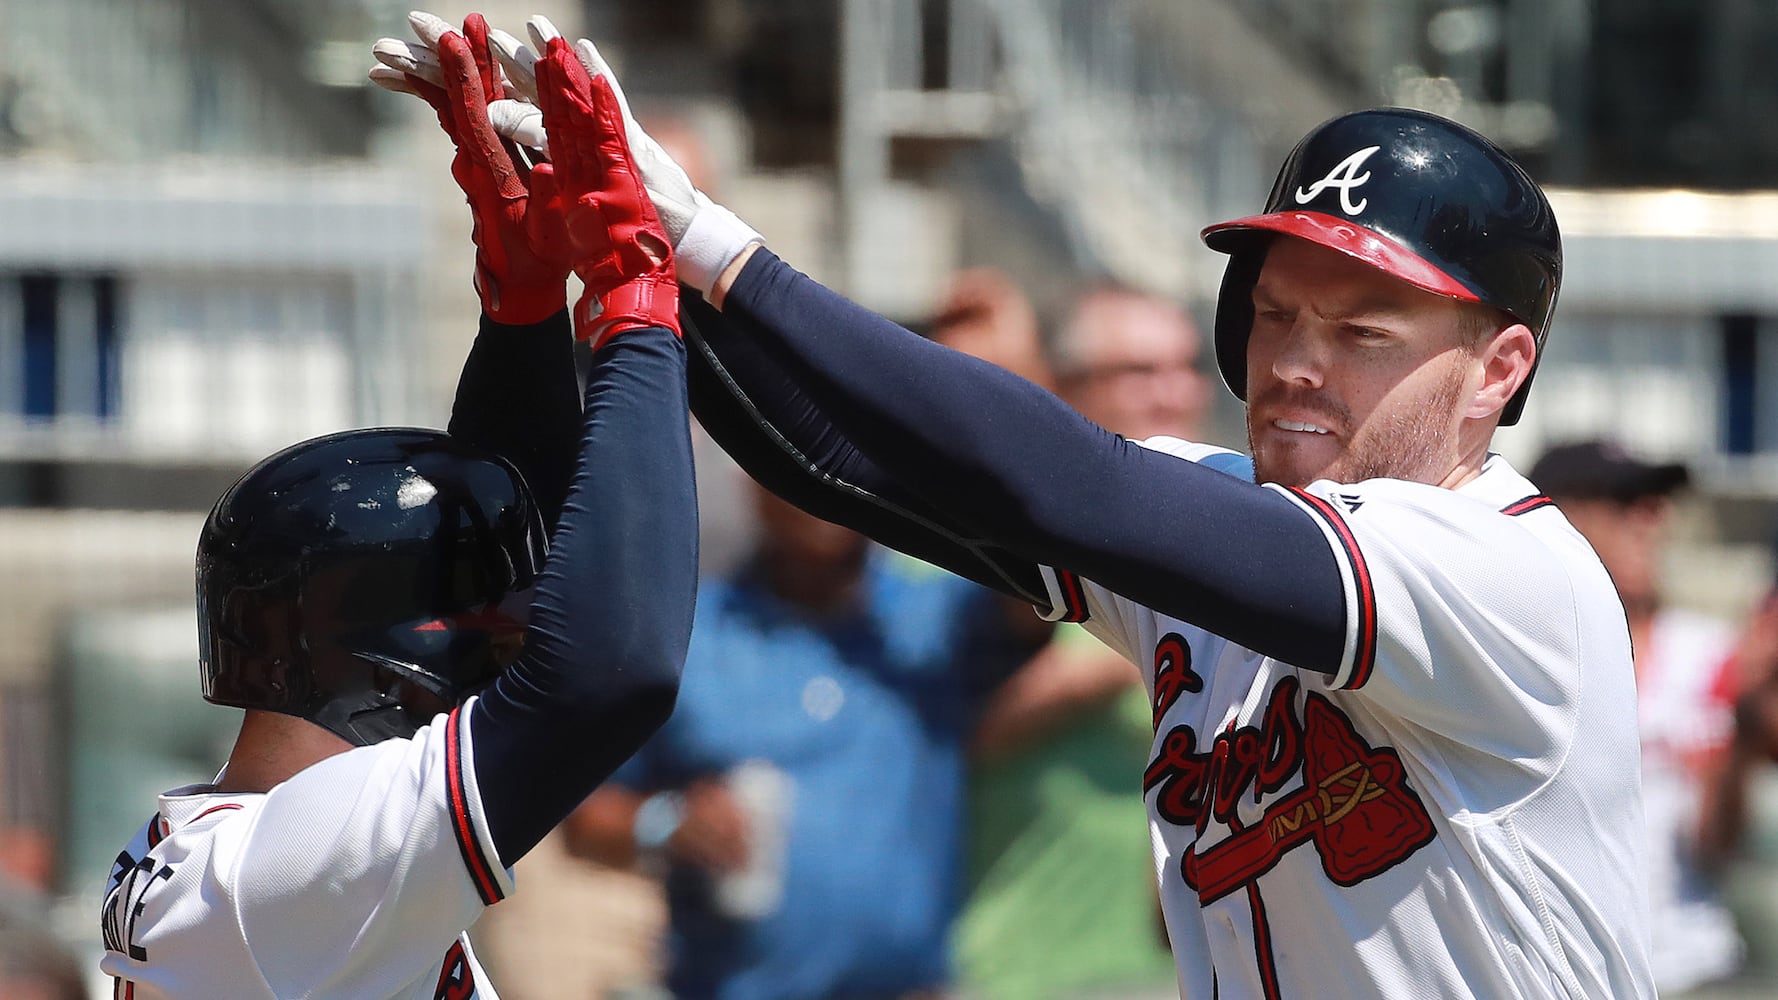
1360, 656
1527, 505
1068, 599
470, 841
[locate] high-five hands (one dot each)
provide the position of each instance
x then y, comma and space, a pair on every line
706, 237
522, 252
585, 211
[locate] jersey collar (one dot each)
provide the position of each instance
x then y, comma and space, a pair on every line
1499, 484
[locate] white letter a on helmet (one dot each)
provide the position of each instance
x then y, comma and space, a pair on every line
1344, 176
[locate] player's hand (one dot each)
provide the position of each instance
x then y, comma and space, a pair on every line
713, 833
706, 237
621, 252
522, 252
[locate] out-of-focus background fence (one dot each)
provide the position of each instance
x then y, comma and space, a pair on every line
216, 239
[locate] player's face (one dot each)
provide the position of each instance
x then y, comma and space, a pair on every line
1352, 374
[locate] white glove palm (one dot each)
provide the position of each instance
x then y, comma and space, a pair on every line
706, 236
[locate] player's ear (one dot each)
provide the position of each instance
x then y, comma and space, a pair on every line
1505, 360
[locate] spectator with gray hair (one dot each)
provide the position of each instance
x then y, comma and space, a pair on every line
1128, 361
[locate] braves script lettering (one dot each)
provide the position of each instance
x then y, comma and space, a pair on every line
1173, 674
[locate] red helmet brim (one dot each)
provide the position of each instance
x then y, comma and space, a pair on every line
1353, 240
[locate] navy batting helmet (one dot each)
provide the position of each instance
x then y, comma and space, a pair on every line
366, 580
1417, 196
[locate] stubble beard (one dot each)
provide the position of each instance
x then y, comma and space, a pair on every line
1410, 443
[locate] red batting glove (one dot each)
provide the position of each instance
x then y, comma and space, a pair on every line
522, 254
621, 251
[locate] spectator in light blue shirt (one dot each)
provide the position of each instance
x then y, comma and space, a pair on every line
805, 800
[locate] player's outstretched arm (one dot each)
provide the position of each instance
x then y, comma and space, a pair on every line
612, 616
1012, 464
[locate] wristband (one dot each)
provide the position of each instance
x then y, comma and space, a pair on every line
715, 237
657, 819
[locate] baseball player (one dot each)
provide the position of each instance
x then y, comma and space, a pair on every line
427, 694
1395, 742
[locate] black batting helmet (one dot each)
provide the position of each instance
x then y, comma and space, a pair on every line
1417, 196
366, 580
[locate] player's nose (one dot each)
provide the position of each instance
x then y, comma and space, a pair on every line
1300, 357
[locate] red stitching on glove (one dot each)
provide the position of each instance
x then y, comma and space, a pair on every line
522, 251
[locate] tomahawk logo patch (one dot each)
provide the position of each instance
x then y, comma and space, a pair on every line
1344, 176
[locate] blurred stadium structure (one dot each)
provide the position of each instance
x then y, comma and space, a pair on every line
216, 239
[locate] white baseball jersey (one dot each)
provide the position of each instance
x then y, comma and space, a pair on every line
1455, 812
356, 878
1686, 689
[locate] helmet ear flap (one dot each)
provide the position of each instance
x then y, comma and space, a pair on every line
1234, 312
253, 641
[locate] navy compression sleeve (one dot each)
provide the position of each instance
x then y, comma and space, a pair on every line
517, 397
1016, 465
821, 471
612, 615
